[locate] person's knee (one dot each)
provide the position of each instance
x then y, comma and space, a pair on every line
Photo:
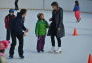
52, 37
13, 44
58, 38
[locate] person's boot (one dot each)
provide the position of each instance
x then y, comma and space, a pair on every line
11, 57
21, 56
52, 50
59, 50
42, 51
38, 51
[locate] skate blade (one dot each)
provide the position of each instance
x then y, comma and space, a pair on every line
51, 52
54, 52
58, 52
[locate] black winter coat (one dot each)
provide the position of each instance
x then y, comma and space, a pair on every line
57, 22
17, 25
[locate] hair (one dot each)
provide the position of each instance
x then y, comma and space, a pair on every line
76, 3
39, 16
23, 11
54, 4
11, 11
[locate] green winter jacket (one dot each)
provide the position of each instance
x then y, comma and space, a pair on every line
41, 27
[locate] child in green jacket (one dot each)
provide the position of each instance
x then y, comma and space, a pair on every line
40, 31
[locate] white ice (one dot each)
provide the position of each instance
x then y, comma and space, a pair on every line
75, 49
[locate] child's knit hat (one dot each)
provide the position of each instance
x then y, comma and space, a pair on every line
11, 11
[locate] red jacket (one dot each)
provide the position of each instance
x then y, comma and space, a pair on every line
4, 44
8, 20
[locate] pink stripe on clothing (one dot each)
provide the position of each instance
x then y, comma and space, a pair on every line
2, 54
77, 14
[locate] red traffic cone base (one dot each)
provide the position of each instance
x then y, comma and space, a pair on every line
75, 32
90, 58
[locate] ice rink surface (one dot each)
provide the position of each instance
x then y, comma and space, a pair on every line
74, 49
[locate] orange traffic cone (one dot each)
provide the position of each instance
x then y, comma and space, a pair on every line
75, 33
90, 58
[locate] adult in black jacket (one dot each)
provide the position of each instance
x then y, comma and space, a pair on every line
56, 27
17, 28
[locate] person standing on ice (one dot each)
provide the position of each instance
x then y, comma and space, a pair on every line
40, 31
77, 11
16, 5
56, 28
18, 30
7, 21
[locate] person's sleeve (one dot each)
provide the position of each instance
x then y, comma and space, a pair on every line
74, 9
36, 28
23, 27
78, 8
52, 19
60, 18
6, 21
47, 25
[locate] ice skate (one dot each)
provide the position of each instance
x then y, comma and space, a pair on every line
52, 50
58, 51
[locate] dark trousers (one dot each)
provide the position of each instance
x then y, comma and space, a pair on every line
20, 48
40, 43
16, 5
8, 34
53, 41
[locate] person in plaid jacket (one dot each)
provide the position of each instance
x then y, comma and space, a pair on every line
7, 21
